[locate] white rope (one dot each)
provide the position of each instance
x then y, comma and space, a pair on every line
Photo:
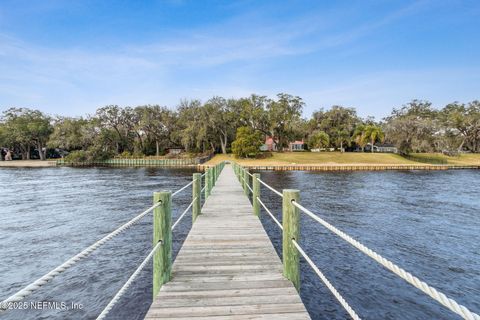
266, 185
127, 284
271, 215
327, 283
249, 188
414, 281
203, 189
184, 212
183, 188
245, 170
20, 295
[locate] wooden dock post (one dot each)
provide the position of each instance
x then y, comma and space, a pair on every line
162, 231
211, 178
207, 183
196, 195
256, 194
245, 181
291, 230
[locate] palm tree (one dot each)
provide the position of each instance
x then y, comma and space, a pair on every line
358, 136
318, 140
342, 136
373, 133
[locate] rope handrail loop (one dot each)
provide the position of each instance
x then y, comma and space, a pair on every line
270, 213
271, 188
405, 275
127, 284
183, 188
183, 214
327, 283
20, 295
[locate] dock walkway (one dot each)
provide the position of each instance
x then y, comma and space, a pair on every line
227, 268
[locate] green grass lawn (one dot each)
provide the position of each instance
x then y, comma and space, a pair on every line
353, 158
320, 158
462, 159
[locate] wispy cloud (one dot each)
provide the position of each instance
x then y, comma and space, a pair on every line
377, 93
223, 58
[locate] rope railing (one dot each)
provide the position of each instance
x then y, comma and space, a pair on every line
251, 175
259, 180
408, 277
26, 291
322, 277
183, 188
184, 212
327, 283
20, 295
29, 289
127, 284
270, 213
405, 275
196, 196
132, 278
271, 188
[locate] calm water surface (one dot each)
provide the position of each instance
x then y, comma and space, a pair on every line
48, 215
427, 222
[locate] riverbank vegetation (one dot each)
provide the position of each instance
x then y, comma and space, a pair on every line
212, 126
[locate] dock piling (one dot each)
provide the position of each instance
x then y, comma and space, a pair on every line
245, 181
196, 195
256, 194
291, 230
162, 231
207, 182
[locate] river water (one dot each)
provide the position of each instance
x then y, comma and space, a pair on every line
426, 222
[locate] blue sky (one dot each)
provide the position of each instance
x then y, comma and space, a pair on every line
71, 57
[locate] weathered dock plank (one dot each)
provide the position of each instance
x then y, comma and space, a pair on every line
227, 267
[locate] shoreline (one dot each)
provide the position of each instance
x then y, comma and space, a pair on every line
270, 166
354, 167
28, 164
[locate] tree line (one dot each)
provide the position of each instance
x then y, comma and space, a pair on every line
214, 125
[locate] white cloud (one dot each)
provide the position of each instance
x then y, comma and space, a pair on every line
221, 59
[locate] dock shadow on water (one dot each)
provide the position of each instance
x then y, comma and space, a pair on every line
426, 222
48, 215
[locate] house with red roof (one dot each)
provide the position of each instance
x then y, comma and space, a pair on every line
271, 145
297, 145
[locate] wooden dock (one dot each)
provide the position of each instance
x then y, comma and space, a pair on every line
227, 267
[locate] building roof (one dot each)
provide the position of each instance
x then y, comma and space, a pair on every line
269, 140
297, 142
